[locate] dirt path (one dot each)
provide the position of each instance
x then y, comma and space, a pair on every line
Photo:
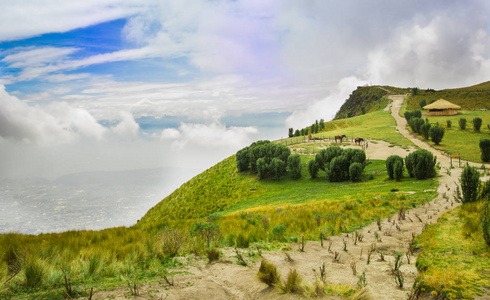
225, 280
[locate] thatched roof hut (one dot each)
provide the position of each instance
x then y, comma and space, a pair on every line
442, 107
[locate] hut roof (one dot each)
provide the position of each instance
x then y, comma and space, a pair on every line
442, 104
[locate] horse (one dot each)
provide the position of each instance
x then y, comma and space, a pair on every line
358, 140
340, 137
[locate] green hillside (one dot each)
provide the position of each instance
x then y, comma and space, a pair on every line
366, 99
469, 98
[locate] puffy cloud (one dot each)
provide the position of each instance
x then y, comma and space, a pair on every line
325, 108
127, 127
214, 136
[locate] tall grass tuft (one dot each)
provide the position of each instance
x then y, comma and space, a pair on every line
268, 273
93, 264
34, 272
292, 285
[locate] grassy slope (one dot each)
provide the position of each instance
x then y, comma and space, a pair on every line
469, 98
464, 142
377, 125
455, 261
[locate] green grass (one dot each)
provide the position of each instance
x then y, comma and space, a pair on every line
464, 142
379, 125
454, 264
469, 98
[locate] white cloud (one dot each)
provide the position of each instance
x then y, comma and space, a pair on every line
325, 108
128, 127
214, 136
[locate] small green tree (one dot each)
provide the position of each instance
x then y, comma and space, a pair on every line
470, 184
291, 132
477, 124
242, 160
424, 130
421, 164
355, 171
462, 123
297, 133
294, 166
415, 123
485, 150
390, 164
278, 168
436, 134
422, 103
415, 91
325, 156
206, 230
262, 168
398, 170
313, 168
339, 169
449, 123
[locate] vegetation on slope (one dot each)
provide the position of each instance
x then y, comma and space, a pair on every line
469, 98
458, 141
366, 99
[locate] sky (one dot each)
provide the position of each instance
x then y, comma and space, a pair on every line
110, 85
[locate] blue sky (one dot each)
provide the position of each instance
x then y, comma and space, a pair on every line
169, 79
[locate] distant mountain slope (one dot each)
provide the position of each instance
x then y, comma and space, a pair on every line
366, 99
469, 98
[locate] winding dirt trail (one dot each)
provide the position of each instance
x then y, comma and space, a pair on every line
228, 280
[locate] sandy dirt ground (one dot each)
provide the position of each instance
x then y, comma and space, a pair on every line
228, 280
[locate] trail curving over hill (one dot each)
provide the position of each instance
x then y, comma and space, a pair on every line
225, 280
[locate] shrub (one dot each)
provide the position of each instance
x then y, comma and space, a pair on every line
213, 254
294, 166
485, 149
398, 170
407, 115
355, 171
355, 155
339, 169
485, 221
422, 103
415, 123
421, 164
207, 231
279, 231
477, 124
278, 168
325, 156
424, 130
268, 273
449, 123
436, 134
462, 123
390, 164
262, 168
470, 184
242, 160
417, 113
171, 240
313, 168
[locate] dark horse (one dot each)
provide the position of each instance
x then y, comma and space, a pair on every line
358, 140
339, 137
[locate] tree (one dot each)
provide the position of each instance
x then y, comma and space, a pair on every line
206, 230
449, 123
422, 103
470, 184
355, 171
485, 150
477, 124
325, 156
436, 134
424, 130
278, 167
339, 169
322, 124
297, 133
415, 91
294, 166
262, 168
398, 170
415, 123
390, 165
462, 123
242, 160
421, 164
313, 168
291, 132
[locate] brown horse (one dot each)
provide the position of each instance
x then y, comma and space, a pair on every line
339, 137
358, 140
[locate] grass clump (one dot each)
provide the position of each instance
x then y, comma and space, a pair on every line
268, 273
34, 272
292, 284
